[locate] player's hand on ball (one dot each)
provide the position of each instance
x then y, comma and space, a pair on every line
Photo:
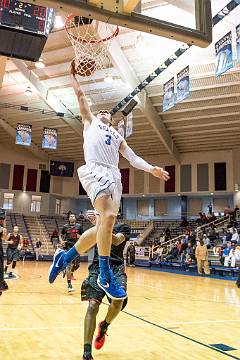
160, 173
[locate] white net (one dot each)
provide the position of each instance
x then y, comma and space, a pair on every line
90, 40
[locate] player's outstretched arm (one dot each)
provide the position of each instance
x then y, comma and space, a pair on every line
141, 164
82, 100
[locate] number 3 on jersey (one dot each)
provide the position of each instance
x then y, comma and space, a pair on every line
108, 139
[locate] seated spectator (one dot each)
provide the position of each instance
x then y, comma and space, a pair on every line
173, 254
157, 254
228, 235
167, 234
201, 254
184, 224
234, 256
206, 241
162, 238
190, 252
225, 254
235, 236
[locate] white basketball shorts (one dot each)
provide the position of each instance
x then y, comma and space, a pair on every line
99, 180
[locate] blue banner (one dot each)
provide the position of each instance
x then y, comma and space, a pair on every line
224, 60
49, 139
183, 84
61, 168
129, 125
24, 135
238, 44
168, 95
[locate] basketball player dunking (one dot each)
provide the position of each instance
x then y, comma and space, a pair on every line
101, 179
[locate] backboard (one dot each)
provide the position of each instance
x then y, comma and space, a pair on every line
188, 21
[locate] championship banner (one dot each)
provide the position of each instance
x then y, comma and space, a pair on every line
168, 95
49, 139
61, 168
183, 84
129, 125
223, 57
24, 135
238, 44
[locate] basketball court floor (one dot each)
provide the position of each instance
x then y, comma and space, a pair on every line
168, 317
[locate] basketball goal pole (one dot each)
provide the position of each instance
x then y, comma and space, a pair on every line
202, 36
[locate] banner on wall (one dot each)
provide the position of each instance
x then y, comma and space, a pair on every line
223, 54
61, 168
24, 135
121, 128
183, 84
129, 125
168, 95
49, 139
238, 44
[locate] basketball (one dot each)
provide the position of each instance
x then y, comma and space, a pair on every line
86, 67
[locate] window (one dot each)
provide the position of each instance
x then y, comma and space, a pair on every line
36, 203
8, 201
58, 207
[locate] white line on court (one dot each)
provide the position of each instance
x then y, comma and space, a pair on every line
66, 327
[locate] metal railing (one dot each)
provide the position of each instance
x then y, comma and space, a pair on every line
200, 230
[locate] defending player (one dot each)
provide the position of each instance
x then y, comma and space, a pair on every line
101, 179
94, 295
15, 244
69, 236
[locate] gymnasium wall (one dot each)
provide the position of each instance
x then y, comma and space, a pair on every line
67, 189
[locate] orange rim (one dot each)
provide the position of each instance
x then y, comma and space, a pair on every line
97, 41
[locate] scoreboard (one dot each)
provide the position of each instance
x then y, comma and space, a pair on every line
28, 17
24, 29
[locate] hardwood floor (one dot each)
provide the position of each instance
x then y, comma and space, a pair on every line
168, 317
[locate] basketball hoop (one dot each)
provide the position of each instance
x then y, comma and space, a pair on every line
91, 49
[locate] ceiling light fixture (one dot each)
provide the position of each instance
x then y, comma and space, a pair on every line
108, 78
140, 42
28, 91
40, 64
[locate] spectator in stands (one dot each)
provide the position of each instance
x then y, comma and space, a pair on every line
130, 255
167, 234
55, 239
210, 209
225, 253
201, 254
184, 224
235, 236
38, 249
190, 252
206, 241
212, 234
173, 254
234, 256
236, 212
157, 255
228, 235
162, 238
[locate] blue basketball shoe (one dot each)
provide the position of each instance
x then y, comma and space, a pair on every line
111, 287
57, 266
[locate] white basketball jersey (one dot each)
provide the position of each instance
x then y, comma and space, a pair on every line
101, 143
